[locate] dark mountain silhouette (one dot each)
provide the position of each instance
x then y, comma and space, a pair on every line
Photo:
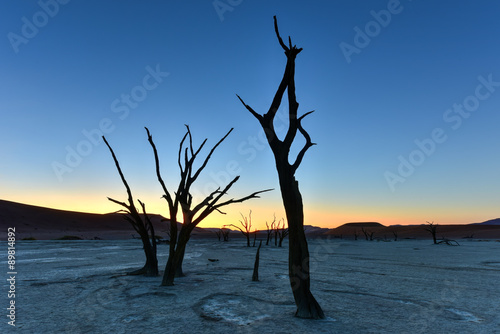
495, 221
363, 224
46, 223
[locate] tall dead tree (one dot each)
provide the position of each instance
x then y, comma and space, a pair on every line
298, 267
182, 200
141, 224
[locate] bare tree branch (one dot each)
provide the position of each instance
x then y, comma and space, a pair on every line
278, 35
131, 206
256, 115
307, 145
166, 194
208, 157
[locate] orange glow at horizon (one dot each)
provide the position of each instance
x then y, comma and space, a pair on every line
315, 216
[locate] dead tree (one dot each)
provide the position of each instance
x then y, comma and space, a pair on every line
255, 275
448, 242
368, 234
395, 233
247, 226
282, 232
225, 233
192, 215
432, 228
222, 233
298, 267
270, 230
141, 224
356, 235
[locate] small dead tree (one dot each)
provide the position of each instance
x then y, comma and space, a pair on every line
141, 224
270, 230
356, 235
368, 234
282, 231
225, 233
182, 200
432, 229
247, 226
448, 242
395, 233
298, 254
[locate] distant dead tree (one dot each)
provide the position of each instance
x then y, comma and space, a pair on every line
141, 224
448, 242
368, 234
247, 226
356, 235
299, 274
432, 228
395, 233
183, 200
281, 231
270, 230
225, 233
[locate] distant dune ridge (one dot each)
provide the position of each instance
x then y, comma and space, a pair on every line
44, 223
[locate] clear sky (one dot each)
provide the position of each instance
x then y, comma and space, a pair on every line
407, 100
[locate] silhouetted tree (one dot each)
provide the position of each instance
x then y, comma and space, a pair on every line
356, 235
247, 226
183, 200
225, 233
270, 230
255, 275
141, 224
222, 233
298, 269
395, 233
431, 228
368, 234
282, 232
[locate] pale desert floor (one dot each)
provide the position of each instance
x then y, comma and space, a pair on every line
406, 286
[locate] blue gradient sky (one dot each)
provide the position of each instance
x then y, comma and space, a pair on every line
70, 75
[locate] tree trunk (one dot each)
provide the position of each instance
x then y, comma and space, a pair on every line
151, 266
255, 275
173, 268
298, 264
